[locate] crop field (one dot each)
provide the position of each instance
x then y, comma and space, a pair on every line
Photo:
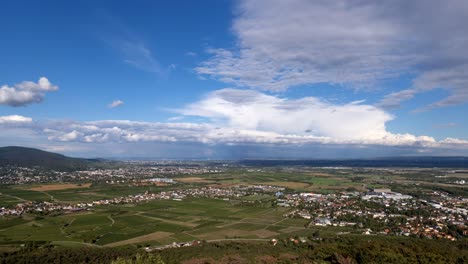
162, 222
193, 180
166, 221
61, 186
319, 180
67, 193
152, 223
22, 195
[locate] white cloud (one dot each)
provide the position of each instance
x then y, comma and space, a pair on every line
26, 92
237, 117
122, 131
115, 104
131, 46
282, 44
139, 56
175, 118
14, 120
250, 116
455, 141
454, 79
71, 136
446, 125
308, 116
128, 131
191, 54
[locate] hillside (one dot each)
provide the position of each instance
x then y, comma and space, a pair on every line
28, 157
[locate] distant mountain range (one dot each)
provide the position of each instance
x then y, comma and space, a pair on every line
416, 162
29, 157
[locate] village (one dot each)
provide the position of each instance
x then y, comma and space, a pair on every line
384, 212
376, 212
12, 174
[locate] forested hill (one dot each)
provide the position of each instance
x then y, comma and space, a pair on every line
28, 157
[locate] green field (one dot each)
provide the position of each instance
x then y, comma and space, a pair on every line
162, 222
12, 195
316, 180
201, 219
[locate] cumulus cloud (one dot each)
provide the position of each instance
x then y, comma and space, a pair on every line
237, 117
124, 131
352, 43
308, 116
26, 92
14, 120
115, 103
455, 141
121, 131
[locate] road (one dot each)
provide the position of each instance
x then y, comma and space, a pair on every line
214, 241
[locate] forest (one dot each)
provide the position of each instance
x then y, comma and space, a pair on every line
333, 250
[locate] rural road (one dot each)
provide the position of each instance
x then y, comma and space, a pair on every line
215, 240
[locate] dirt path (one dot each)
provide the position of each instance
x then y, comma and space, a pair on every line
238, 239
403, 182
50, 196
275, 224
216, 240
112, 220
14, 197
187, 224
62, 228
153, 236
76, 242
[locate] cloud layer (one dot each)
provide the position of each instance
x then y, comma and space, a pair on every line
26, 92
352, 43
247, 117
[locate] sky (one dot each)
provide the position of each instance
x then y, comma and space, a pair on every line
219, 79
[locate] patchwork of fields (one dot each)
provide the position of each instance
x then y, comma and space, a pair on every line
154, 223
161, 222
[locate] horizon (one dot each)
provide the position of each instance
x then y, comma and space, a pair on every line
182, 159
234, 80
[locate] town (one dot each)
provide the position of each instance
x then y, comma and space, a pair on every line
378, 211
12, 174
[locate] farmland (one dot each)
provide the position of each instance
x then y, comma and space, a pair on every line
154, 223
235, 204
62, 186
158, 222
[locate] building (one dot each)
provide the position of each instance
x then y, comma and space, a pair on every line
381, 190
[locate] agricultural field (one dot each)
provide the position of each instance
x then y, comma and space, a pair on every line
318, 180
60, 186
153, 223
67, 192
162, 222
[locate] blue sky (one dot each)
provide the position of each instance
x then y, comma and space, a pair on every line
235, 79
